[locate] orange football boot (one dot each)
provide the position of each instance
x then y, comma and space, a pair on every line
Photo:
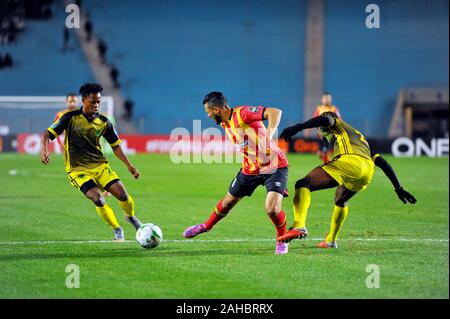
325, 244
293, 233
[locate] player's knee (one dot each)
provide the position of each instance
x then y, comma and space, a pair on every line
304, 182
273, 209
122, 196
98, 200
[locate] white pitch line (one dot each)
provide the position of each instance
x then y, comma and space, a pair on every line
60, 242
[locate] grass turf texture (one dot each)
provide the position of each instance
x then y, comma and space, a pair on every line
38, 204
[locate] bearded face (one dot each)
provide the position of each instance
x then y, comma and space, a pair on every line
218, 119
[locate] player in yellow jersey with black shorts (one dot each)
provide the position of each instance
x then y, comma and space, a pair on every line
86, 166
351, 170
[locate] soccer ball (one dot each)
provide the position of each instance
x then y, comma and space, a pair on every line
149, 236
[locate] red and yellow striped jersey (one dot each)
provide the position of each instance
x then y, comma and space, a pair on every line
60, 113
326, 108
261, 155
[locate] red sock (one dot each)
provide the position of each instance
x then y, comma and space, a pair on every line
218, 213
280, 223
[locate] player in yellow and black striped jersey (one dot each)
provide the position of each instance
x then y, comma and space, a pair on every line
82, 141
351, 169
86, 166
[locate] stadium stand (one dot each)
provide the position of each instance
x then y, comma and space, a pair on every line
365, 69
253, 53
48, 64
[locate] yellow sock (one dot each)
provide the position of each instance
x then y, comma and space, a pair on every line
337, 220
107, 214
302, 200
128, 206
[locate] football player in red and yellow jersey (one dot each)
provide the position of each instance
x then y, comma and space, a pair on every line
263, 162
325, 148
71, 103
326, 106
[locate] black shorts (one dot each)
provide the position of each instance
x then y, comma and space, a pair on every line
244, 185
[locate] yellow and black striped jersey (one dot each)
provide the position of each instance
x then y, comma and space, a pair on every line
345, 139
82, 148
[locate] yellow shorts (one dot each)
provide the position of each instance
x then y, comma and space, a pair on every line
101, 176
353, 171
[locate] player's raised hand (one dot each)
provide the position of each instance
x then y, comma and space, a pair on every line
134, 171
288, 132
45, 156
405, 196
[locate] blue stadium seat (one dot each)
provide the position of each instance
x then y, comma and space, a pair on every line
366, 68
41, 68
171, 53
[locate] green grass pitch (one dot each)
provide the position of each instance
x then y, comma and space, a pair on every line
37, 204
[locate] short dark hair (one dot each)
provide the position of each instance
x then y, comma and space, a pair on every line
89, 88
326, 93
71, 94
215, 99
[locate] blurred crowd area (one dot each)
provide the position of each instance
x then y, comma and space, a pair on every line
13, 16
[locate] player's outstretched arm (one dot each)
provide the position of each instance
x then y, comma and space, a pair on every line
273, 117
318, 121
121, 155
45, 156
387, 169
